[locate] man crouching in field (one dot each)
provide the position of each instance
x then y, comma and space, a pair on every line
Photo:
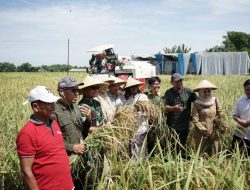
40, 147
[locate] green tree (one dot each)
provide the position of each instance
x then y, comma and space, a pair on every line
58, 68
216, 49
237, 41
25, 67
7, 67
233, 41
177, 49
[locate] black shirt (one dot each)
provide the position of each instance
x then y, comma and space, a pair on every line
179, 120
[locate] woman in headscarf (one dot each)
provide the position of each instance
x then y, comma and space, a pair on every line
206, 112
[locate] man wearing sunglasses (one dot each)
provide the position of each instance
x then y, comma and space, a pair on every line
73, 126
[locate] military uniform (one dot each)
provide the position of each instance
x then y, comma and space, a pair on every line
96, 110
94, 164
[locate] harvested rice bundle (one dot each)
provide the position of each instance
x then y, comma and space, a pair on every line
154, 114
156, 118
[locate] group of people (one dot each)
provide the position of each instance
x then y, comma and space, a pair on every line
59, 124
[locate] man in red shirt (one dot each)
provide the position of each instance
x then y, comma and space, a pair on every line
40, 147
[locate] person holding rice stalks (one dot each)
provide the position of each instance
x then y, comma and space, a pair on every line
95, 157
206, 112
40, 147
241, 114
153, 94
68, 115
178, 101
90, 90
74, 127
133, 95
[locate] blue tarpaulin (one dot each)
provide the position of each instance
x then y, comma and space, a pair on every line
160, 58
193, 58
181, 63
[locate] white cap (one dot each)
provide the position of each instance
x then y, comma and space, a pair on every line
41, 93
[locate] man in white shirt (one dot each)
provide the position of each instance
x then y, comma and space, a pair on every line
241, 114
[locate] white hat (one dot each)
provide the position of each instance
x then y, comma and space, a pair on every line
132, 82
205, 84
91, 81
41, 93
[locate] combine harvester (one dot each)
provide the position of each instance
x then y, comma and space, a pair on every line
105, 62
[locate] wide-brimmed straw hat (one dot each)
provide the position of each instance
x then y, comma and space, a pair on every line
91, 81
115, 80
102, 77
205, 84
132, 82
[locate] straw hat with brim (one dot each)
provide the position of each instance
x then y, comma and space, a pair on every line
132, 82
115, 80
91, 81
103, 77
205, 84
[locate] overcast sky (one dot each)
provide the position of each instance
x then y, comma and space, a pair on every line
36, 31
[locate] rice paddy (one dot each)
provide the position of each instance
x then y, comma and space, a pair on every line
227, 170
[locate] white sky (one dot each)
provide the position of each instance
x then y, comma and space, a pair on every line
36, 31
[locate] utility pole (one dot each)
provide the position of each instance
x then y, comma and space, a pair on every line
68, 59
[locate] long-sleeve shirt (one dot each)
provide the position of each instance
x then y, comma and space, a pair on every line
203, 116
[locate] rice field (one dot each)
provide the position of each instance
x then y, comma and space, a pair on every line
223, 171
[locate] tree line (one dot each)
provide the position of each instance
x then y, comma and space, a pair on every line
233, 41
27, 67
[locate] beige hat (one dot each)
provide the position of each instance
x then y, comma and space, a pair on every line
102, 77
132, 82
115, 80
91, 81
205, 84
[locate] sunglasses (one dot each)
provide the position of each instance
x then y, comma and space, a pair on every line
73, 90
